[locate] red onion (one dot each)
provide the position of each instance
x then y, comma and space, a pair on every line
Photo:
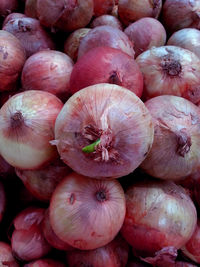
102, 7
45, 263
170, 70
7, 6
132, 10
188, 38
68, 15
72, 42
178, 14
175, 152
107, 20
103, 130
146, 33
159, 214
28, 242
5, 168
27, 125
90, 211
106, 65
106, 36
11, 54
31, 8
48, 70
113, 254
6, 257
2, 201
31, 34
191, 248
12, 16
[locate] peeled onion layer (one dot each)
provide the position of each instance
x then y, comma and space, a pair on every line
113, 122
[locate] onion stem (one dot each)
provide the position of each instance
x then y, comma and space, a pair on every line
91, 148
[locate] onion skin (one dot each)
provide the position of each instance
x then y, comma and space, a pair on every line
91, 211
6, 169
175, 151
106, 111
102, 7
106, 36
106, 65
107, 20
170, 70
6, 257
11, 54
146, 33
113, 254
7, 7
159, 214
132, 10
188, 38
66, 15
45, 263
13, 15
32, 35
27, 121
48, 70
178, 14
31, 8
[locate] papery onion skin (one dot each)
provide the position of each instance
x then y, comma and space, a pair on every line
71, 44
67, 15
48, 70
102, 7
178, 14
146, 33
132, 10
45, 263
159, 214
11, 54
106, 36
6, 257
90, 211
7, 6
107, 20
170, 70
117, 117
187, 38
175, 151
32, 35
113, 254
27, 122
13, 15
106, 65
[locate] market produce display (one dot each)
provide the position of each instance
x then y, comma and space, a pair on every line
99, 133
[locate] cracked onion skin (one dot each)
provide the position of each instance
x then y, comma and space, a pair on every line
175, 151
111, 124
170, 70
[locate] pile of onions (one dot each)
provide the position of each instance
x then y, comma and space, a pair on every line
175, 152
103, 131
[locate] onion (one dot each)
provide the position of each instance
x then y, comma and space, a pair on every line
186, 38
27, 125
102, 7
90, 211
106, 36
106, 65
7, 6
132, 10
107, 20
5, 168
48, 70
11, 54
103, 130
178, 14
2, 201
146, 33
191, 248
68, 15
113, 254
6, 257
31, 8
170, 70
28, 242
159, 214
31, 34
72, 42
175, 152
12, 16
45, 263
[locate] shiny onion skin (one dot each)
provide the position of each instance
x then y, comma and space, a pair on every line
159, 214
106, 36
68, 15
27, 122
107, 20
102, 7
112, 116
170, 70
45, 263
175, 152
106, 65
90, 211
11, 54
146, 33
178, 14
187, 38
6, 256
